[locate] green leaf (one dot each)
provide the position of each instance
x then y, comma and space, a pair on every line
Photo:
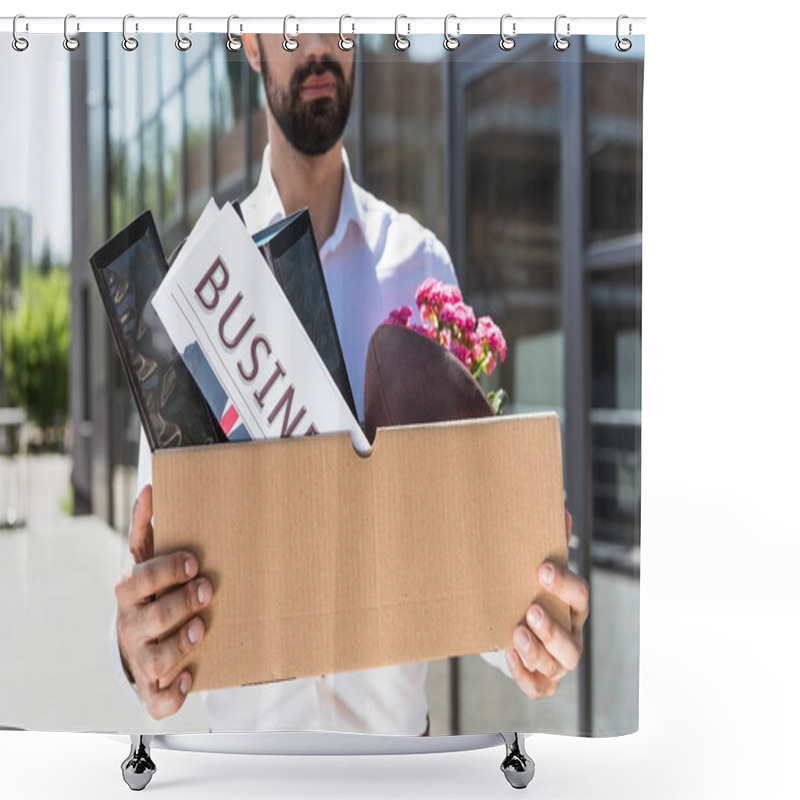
498, 400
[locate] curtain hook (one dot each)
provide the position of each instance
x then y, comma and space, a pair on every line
623, 45
129, 43
507, 42
561, 43
18, 43
400, 42
233, 44
290, 44
451, 42
70, 42
182, 42
345, 42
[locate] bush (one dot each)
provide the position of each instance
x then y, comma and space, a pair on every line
37, 338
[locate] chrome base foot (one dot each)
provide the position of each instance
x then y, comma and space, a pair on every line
138, 768
518, 766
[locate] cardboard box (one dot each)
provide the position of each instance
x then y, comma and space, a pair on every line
325, 561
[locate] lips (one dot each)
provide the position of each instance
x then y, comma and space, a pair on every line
319, 86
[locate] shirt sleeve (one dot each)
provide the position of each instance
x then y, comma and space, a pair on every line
144, 477
497, 658
440, 263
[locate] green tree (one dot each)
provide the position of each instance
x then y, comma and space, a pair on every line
46, 261
37, 335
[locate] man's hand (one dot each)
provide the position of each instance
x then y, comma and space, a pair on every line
543, 651
157, 607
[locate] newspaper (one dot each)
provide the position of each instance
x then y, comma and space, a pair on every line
245, 347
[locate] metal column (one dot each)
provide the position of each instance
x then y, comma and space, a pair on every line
577, 344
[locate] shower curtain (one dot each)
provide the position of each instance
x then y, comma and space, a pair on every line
512, 172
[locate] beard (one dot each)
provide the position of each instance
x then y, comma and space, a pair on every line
311, 127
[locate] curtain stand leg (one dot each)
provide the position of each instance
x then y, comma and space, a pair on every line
138, 768
518, 766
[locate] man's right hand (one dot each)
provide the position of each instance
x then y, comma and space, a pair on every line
161, 596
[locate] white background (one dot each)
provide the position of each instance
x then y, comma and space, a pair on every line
721, 333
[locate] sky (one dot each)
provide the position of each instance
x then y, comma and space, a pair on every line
35, 140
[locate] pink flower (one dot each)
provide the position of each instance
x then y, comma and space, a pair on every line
460, 317
399, 316
424, 292
450, 293
478, 344
424, 330
460, 352
432, 295
491, 334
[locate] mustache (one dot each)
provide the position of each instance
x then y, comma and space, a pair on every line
316, 67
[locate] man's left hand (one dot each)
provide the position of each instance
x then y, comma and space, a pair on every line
543, 651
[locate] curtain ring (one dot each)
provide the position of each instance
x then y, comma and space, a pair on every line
290, 44
129, 43
400, 42
507, 42
345, 42
18, 43
623, 45
233, 44
182, 42
70, 42
561, 43
450, 42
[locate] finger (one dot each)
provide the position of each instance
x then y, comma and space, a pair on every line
570, 588
534, 684
140, 535
154, 576
160, 660
166, 702
563, 647
533, 653
568, 520
172, 609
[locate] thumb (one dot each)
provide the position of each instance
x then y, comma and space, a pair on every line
140, 535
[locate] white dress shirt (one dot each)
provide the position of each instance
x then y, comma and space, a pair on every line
373, 262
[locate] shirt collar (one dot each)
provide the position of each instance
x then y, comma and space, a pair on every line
264, 205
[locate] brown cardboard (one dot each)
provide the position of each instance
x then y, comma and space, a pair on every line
325, 561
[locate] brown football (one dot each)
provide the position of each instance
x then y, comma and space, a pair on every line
412, 379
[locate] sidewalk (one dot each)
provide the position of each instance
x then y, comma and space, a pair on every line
57, 579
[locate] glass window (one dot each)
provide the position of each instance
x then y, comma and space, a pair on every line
198, 138
172, 160
513, 233
257, 104
150, 84
230, 85
95, 99
616, 308
133, 181
403, 142
117, 173
130, 96
171, 67
614, 140
151, 169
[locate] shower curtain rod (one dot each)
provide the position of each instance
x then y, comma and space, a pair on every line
404, 25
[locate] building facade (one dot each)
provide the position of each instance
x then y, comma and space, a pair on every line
527, 164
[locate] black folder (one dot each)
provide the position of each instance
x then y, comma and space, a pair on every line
290, 249
129, 269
